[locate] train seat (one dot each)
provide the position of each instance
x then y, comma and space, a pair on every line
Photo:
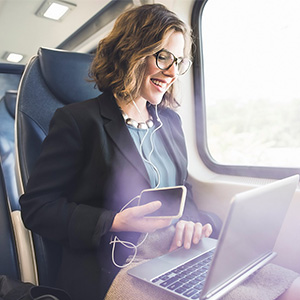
9, 263
11, 230
52, 79
20, 262
7, 145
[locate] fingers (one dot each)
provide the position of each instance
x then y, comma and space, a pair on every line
151, 224
207, 230
183, 235
198, 233
140, 211
132, 219
188, 233
179, 233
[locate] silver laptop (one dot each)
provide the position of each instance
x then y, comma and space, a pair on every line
212, 268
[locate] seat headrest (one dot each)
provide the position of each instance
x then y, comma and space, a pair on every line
10, 102
66, 74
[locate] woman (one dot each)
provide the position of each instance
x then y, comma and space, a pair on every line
100, 154
90, 166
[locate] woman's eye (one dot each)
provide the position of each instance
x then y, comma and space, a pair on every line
162, 57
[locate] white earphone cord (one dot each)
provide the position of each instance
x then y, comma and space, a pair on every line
127, 244
148, 161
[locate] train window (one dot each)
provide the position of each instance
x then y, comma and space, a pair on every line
246, 73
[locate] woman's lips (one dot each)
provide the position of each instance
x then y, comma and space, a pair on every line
159, 83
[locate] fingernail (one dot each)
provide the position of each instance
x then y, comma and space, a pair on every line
178, 244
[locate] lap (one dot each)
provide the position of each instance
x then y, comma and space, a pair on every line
268, 283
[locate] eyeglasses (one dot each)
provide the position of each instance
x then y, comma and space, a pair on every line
165, 59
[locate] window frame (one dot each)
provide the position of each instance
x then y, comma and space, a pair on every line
200, 115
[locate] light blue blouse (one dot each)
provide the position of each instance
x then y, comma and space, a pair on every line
160, 167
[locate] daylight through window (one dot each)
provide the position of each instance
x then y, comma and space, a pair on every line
251, 77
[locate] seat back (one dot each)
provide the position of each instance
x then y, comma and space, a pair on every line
9, 264
52, 79
7, 145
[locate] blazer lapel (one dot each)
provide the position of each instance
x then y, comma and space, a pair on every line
117, 130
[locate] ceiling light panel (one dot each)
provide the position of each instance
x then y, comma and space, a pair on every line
55, 9
13, 57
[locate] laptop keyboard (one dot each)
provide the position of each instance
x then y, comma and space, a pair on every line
188, 279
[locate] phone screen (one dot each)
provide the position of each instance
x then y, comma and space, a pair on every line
172, 199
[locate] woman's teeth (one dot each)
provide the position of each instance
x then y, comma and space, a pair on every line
159, 83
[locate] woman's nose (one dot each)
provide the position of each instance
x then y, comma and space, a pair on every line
172, 71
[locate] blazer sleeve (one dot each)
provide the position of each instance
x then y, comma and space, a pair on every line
45, 206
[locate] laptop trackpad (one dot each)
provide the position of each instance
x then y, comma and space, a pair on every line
159, 265
182, 255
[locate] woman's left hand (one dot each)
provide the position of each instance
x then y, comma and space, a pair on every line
188, 232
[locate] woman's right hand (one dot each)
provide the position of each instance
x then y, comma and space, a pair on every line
133, 219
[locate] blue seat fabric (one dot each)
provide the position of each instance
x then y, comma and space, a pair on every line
7, 145
53, 78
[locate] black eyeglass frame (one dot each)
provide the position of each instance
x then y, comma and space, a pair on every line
176, 60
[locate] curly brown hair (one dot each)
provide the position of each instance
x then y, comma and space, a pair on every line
119, 62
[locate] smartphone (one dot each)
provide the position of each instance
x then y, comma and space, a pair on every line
172, 199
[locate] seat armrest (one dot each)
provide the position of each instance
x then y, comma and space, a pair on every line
25, 249
214, 220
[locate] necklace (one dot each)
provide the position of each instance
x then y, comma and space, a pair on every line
142, 125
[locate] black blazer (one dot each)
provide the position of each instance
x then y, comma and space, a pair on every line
89, 168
